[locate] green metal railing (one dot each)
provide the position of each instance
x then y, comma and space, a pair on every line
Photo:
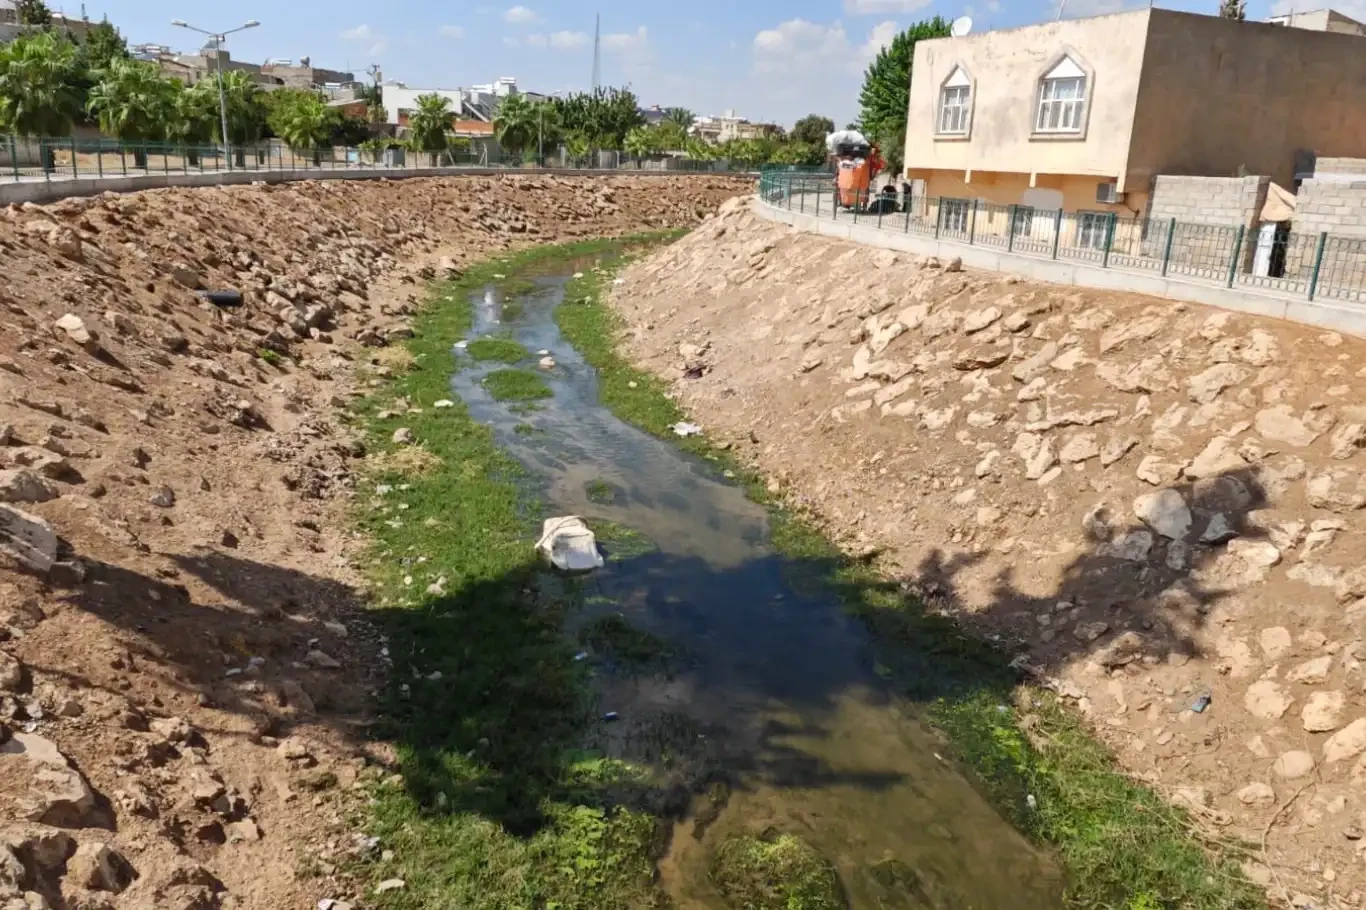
31, 158
1310, 265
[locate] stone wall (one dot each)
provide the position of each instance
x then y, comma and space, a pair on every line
1333, 202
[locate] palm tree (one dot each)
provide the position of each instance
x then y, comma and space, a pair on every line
134, 102
429, 124
195, 117
680, 117
246, 112
1233, 9
639, 143
576, 144
38, 95
307, 124
516, 124
700, 150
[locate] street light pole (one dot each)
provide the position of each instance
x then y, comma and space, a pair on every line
218, 39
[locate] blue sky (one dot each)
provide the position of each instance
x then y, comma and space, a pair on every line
766, 59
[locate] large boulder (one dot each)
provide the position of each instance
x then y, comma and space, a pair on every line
39, 782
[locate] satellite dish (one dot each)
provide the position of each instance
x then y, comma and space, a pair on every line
961, 26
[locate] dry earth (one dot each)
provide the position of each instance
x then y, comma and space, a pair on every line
1157, 508
184, 668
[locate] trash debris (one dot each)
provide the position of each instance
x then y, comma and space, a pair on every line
610, 716
546, 363
569, 544
582, 655
1030, 801
461, 345
1201, 703
543, 353
222, 298
683, 428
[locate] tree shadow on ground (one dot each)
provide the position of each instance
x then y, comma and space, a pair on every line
493, 714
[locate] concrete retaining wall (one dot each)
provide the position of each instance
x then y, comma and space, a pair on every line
1340, 318
41, 191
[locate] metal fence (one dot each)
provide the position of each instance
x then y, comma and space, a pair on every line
1310, 265
24, 158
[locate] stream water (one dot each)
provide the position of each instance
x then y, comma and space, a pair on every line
775, 714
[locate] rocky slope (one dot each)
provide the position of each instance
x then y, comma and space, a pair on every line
184, 672
1158, 507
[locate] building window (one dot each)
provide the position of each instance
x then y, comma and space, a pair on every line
1024, 221
1062, 99
1091, 229
955, 104
953, 215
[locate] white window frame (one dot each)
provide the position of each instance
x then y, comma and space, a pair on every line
954, 214
1060, 109
1091, 230
955, 104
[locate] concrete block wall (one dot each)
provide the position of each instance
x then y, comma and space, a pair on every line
1333, 202
1208, 211
1339, 166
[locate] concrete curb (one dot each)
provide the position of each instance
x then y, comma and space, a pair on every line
1345, 318
44, 191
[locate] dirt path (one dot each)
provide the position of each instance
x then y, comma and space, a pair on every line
184, 693
1158, 507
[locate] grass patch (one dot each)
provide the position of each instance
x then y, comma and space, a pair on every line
618, 542
775, 872
398, 358
499, 807
407, 462
614, 636
600, 491
1122, 846
524, 429
504, 350
510, 310
516, 385
271, 357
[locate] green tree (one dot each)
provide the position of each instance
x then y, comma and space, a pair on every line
680, 117
304, 121
887, 86
245, 101
577, 146
639, 143
33, 12
1233, 9
38, 95
134, 102
669, 137
101, 46
516, 123
429, 125
700, 150
812, 128
194, 116
604, 116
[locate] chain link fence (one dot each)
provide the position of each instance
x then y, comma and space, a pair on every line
1313, 266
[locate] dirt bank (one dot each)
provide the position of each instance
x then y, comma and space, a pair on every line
183, 694
1157, 507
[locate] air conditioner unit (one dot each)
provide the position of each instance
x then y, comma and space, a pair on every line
1106, 192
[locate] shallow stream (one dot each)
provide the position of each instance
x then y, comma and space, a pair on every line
774, 711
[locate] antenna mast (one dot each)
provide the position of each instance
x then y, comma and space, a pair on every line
597, 51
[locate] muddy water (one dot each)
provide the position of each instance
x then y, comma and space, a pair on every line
774, 713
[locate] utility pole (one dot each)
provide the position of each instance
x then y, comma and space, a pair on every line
597, 51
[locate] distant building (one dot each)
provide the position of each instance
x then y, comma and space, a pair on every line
10, 27
476, 103
305, 74
729, 127
1321, 20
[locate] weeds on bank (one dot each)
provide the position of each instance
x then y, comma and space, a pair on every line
775, 872
1121, 846
498, 806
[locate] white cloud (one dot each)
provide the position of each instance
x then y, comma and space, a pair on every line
882, 7
562, 41
627, 41
880, 36
451, 31
520, 15
798, 45
511, 42
359, 33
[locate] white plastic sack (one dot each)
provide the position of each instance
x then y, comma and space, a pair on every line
844, 137
569, 544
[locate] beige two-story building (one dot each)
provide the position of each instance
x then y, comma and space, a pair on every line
1082, 114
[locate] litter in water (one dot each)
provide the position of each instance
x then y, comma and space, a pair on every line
582, 655
610, 716
569, 544
683, 428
